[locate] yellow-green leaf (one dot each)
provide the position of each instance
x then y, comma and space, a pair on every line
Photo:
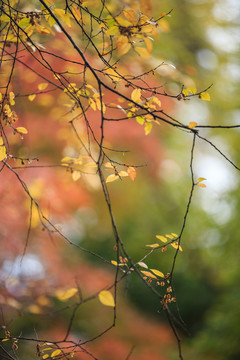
192, 124
21, 130
106, 298
65, 295
162, 238
157, 272
205, 96
140, 120
55, 353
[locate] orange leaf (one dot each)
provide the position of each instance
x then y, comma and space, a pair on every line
131, 173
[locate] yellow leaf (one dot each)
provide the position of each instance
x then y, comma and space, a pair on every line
3, 152
202, 185
175, 235
157, 272
185, 92
136, 95
147, 127
0, 96
114, 262
67, 159
21, 130
122, 22
55, 353
192, 89
123, 45
45, 356
76, 175
42, 86
11, 98
148, 44
157, 101
205, 96
176, 246
35, 309
106, 298
153, 245
201, 179
140, 120
108, 164
111, 178
148, 274
130, 15
143, 52
131, 172
65, 295
162, 238
122, 173
192, 124
31, 97
170, 236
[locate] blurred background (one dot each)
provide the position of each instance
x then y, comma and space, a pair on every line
200, 42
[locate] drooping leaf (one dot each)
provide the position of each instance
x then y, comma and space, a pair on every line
147, 127
106, 298
3, 152
131, 172
76, 175
143, 52
31, 97
140, 120
175, 245
123, 45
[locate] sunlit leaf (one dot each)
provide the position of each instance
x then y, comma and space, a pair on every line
175, 245
185, 92
130, 15
148, 274
142, 264
45, 356
157, 272
169, 236
148, 44
136, 95
122, 173
153, 245
162, 238
112, 178
147, 127
202, 185
192, 89
11, 98
31, 97
175, 235
192, 124
201, 179
65, 295
21, 130
3, 152
114, 262
42, 86
123, 45
106, 298
76, 175
131, 172
140, 120
205, 96
55, 353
